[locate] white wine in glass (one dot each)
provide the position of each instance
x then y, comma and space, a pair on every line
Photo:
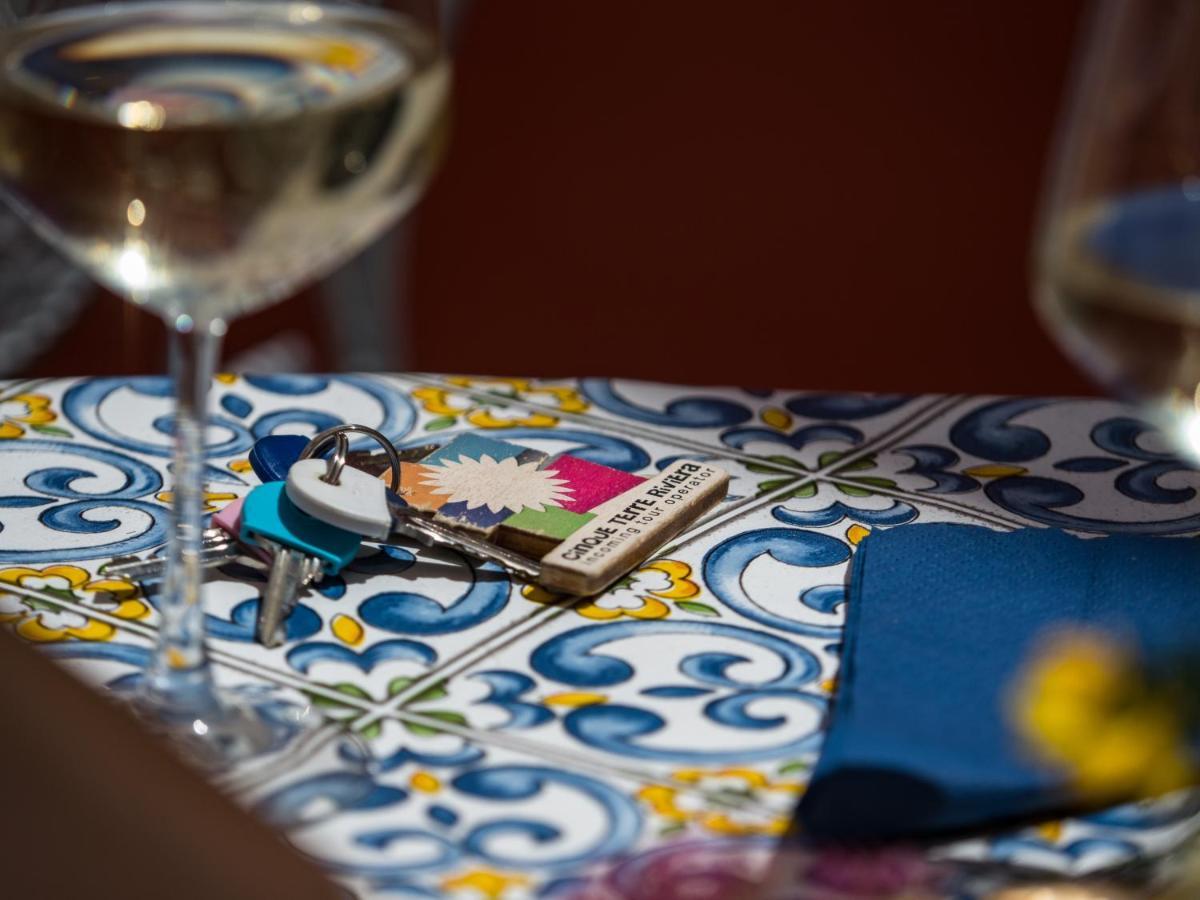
1118, 254
203, 159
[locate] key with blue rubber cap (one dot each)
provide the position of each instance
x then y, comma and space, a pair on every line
302, 550
273, 456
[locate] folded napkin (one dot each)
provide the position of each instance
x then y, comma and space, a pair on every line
940, 621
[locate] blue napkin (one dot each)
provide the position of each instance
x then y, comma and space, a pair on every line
940, 620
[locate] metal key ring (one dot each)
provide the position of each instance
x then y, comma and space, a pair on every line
337, 462
331, 434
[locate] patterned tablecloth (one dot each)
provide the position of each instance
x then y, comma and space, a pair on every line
525, 743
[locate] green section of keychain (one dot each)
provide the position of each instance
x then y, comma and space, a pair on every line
549, 522
269, 514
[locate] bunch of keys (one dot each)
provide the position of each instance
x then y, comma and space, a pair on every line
565, 523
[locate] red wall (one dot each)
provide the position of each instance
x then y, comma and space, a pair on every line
811, 194
792, 193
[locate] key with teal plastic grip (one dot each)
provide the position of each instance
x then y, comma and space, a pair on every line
302, 550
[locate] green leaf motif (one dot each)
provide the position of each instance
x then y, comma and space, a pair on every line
761, 469
864, 462
851, 490
696, 607
829, 457
875, 481
433, 692
802, 493
52, 430
673, 828
38, 605
796, 765
773, 484
442, 715
439, 423
345, 687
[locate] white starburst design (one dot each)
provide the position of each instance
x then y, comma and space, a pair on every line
497, 485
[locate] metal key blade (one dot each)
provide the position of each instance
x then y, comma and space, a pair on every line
151, 569
291, 570
217, 548
426, 531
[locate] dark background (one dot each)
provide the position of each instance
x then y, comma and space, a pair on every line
799, 194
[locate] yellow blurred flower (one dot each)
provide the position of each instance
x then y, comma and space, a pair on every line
1083, 704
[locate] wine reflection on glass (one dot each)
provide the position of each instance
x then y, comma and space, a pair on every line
203, 159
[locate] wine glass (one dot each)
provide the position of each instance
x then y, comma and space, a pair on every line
203, 158
1117, 255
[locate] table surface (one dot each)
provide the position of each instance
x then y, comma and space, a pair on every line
525, 743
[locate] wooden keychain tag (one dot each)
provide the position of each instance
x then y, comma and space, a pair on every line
589, 524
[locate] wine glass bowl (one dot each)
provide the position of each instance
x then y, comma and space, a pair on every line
211, 181
203, 158
1117, 259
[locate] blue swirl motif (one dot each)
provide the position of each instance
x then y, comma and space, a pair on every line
834, 409
739, 438
507, 690
843, 407
1174, 809
602, 449
932, 462
83, 406
574, 659
1028, 850
405, 612
455, 837
725, 564
989, 434
304, 656
77, 514
898, 513
685, 412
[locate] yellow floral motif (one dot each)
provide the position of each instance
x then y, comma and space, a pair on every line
855, 534
240, 466
672, 804
226, 378
424, 782
347, 629
574, 699
211, 499
442, 403
994, 471
777, 418
639, 596
40, 620
566, 399
483, 413
21, 410
486, 883
1050, 831
1082, 704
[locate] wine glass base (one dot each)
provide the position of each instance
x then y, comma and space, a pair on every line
237, 735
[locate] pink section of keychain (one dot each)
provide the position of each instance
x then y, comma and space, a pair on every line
229, 520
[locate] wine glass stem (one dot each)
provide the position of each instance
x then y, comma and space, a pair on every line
178, 680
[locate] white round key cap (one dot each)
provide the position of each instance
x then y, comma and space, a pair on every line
357, 503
